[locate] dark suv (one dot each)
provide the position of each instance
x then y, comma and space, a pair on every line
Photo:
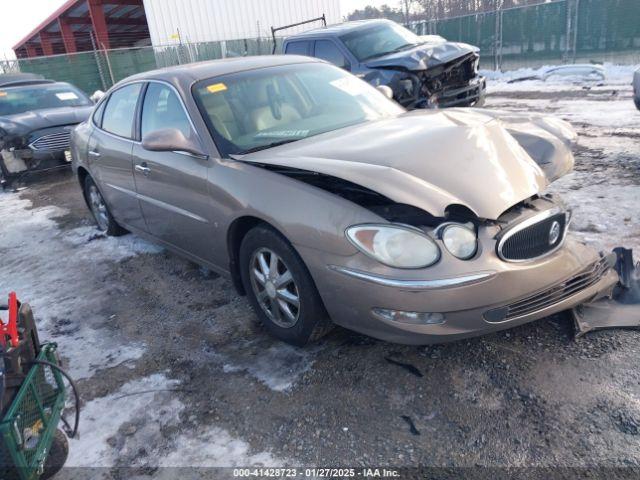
423, 72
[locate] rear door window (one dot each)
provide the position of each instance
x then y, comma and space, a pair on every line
298, 48
119, 114
329, 51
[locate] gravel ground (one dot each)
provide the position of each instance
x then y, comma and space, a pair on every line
175, 372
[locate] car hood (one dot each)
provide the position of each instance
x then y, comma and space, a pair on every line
424, 56
26, 122
430, 159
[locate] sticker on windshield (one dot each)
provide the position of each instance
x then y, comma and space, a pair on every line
3, 94
349, 85
217, 87
65, 96
283, 134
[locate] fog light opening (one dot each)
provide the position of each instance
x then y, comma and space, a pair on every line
411, 318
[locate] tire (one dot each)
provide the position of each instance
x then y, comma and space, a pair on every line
100, 211
637, 102
57, 455
277, 292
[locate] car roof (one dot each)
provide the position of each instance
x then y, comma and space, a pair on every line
25, 83
338, 29
186, 75
20, 78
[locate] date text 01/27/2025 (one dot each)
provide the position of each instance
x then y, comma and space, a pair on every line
316, 472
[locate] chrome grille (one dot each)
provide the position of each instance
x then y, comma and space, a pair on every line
552, 295
532, 238
53, 141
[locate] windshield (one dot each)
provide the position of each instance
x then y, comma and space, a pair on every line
379, 40
258, 109
16, 100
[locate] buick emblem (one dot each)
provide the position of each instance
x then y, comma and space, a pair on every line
554, 233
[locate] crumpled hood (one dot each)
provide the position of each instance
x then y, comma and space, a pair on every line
429, 159
26, 122
423, 56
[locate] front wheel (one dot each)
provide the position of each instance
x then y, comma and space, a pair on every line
105, 221
280, 288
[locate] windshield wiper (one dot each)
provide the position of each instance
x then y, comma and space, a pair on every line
402, 47
395, 50
268, 145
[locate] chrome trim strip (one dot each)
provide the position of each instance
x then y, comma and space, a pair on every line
171, 208
126, 191
159, 203
56, 141
415, 284
528, 223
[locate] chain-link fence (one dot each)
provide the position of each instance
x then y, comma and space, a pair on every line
100, 69
559, 31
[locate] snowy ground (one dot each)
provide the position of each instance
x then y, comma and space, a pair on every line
174, 372
603, 191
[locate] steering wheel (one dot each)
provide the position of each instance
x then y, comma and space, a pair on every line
275, 102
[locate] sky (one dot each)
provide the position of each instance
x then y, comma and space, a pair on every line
20, 17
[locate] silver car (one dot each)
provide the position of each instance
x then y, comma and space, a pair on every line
326, 202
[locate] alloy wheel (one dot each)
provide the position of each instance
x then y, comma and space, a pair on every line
98, 208
274, 288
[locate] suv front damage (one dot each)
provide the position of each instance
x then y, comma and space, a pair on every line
443, 74
422, 71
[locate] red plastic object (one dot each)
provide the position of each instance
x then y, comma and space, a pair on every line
10, 329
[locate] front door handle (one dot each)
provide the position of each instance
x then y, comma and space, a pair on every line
93, 153
143, 169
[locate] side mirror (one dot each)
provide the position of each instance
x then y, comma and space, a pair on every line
172, 140
386, 91
97, 96
346, 65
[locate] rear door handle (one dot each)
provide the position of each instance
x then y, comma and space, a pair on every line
93, 153
143, 169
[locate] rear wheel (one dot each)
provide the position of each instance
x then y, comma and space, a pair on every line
105, 221
637, 102
280, 288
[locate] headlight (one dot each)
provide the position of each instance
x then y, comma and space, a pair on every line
394, 245
460, 240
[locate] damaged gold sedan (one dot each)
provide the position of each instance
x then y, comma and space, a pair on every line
328, 203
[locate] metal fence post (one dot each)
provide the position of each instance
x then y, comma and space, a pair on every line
571, 32
96, 55
106, 56
497, 46
575, 31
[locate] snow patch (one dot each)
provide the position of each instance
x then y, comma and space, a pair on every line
115, 429
61, 275
214, 447
277, 365
615, 74
145, 401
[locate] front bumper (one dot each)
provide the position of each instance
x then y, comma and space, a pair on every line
470, 95
39, 151
465, 306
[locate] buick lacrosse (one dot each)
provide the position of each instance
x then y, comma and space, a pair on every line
328, 203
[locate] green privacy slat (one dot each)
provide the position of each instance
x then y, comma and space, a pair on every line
536, 34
